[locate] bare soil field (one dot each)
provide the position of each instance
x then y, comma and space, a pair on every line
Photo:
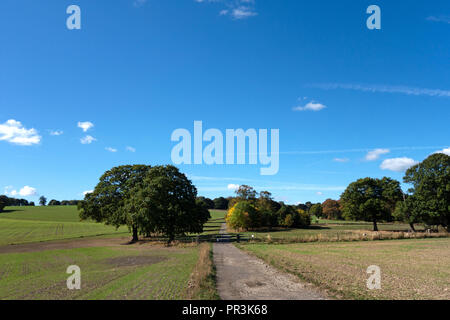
410, 269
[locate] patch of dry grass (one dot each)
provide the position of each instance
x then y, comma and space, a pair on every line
410, 269
202, 284
350, 235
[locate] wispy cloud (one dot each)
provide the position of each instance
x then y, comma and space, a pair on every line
87, 139
311, 106
375, 154
14, 132
139, 3
236, 9
341, 159
56, 132
233, 186
444, 19
385, 89
110, 149
358, 150
131, 149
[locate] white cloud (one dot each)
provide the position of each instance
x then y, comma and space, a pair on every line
385, 89
87, 140
242, 12
444, 19
110, 149
319, 193
14, 132
56, 132
232, 186
398, 164
85, 126
341, 160
444, 151
375, 154
131, 149
26, 191
236, 9
86, 192
139, 3
310, 106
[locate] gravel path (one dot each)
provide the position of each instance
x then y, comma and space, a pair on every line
241, 276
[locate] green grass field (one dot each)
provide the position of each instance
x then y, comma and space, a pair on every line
118, 272
214, 224
33, 224
110, 269
410, 269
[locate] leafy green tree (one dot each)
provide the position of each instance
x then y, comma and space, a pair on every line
288, 221
220, 203
165, 202
430, 199
371, 199
54, 202
283, 213
404, 212
208, 203
303, 219
267, 209
42, 201
107, 202
245, 192
316, 210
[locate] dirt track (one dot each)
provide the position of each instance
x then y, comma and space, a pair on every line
242, 276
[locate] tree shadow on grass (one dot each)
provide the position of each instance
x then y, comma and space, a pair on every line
10, 210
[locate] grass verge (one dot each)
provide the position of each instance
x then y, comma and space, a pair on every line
202, 285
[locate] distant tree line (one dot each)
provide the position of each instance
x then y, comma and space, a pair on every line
54, 202
252, 210
12, 202
368, 199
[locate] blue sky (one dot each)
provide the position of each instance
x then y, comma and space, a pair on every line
349, 102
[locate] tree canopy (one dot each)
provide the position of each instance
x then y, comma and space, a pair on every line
371, 199
331, 209
42, 200
165, 202
430, 193
107, 202
220, 203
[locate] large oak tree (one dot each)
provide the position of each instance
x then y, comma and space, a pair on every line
165, 202
371, 199
107, 203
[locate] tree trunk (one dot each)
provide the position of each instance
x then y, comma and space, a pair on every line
375, 227
135, 234
412, 227
171, 238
